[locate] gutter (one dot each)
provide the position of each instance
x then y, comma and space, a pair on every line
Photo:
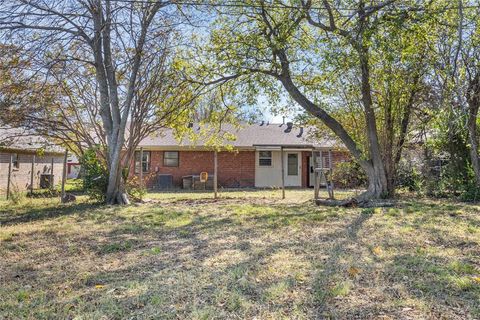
38, 152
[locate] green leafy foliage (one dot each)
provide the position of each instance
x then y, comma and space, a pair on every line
349, 175
95, 174
16, 196
448, 171
133, 188
409, 178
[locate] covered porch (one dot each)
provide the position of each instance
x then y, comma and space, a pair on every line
284, 166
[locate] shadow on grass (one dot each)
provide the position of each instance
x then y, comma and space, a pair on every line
439, 280
323, 280
171, 263
177, 267
9, 217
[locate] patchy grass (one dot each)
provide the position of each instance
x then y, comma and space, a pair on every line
248, 254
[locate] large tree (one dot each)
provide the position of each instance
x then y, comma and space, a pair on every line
455, 80
466, 73
294, 44
103, 58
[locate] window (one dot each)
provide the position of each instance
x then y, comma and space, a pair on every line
15, 161
265, 158
170, 159
145, 163
292, 164
322, 160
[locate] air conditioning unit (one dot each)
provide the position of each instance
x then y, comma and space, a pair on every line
46, 181
164, 181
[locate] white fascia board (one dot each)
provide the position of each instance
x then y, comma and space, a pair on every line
190, 148
297, 149
267, 148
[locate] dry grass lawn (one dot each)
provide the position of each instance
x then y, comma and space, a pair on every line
247, 255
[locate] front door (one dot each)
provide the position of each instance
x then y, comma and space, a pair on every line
293, 169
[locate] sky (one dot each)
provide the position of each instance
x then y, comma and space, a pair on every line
268, 115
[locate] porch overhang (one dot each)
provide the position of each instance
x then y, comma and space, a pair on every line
290, 147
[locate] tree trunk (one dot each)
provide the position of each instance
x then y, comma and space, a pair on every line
473, 98
378, 185
393, 146
472, 133
116, 193
388, 145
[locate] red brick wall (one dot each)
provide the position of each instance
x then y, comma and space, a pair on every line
340, 156
305, 167
235, 169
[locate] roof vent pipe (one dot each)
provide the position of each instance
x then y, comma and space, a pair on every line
289, 127
300, 133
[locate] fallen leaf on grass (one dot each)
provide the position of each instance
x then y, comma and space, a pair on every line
99, 286
352, 271
377, 251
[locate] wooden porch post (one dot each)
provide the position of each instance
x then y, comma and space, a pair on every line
330, 166
283, 173
315, 175
51, 175
31, 174
215, 173
321, 173
141, 168
9, 175
64, 176
330, 159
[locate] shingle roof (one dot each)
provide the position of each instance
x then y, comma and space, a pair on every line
24, 140
249, 136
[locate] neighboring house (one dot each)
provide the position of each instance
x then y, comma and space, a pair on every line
22, 149
73, 167
255, 162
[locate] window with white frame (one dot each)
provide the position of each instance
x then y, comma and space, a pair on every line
144, 163
265, 158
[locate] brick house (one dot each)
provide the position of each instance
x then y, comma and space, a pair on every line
256, 159
23, 150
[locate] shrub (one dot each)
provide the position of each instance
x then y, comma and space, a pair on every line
409, 178
349, 175
96, 178
95, 174
133, 189
16, 196
44, 193
470, 191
